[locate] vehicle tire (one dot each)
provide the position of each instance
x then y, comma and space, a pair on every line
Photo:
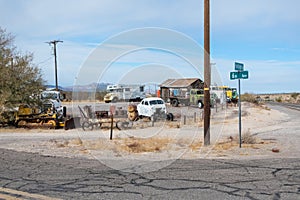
200, 104
175, 102
87, 126
170, 117
124, 125
119, 125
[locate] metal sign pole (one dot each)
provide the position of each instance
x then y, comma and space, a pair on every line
239, 74
240, 113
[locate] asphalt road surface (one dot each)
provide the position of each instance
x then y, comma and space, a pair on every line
34, 176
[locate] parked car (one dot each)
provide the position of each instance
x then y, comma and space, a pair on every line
153, 108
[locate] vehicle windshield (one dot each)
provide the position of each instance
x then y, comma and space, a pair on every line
154, 102
49, 95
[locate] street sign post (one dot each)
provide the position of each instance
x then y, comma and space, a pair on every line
239, 74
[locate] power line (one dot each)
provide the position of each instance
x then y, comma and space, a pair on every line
54, 42
44, 61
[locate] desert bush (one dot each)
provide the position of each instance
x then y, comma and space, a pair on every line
249, 98
294, 95
278, 99
247, 138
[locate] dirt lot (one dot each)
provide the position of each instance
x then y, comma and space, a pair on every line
263, 137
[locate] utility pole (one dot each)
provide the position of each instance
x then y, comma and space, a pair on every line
207, 74
54, 42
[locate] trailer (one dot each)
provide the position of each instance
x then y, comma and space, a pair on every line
131, 93
95, 120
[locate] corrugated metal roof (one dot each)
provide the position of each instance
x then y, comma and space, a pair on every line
184, 82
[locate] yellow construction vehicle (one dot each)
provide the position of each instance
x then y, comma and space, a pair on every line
48, 113
30, 117
231, 95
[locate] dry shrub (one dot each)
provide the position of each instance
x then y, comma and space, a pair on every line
295, 95
141, 145
247, 138
249, 98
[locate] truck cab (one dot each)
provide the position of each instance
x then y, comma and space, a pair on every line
54, 97
197, 97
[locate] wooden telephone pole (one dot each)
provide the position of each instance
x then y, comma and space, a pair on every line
54, 42
207, 74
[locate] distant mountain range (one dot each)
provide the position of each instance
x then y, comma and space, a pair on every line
84, 88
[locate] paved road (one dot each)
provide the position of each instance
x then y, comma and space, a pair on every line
43, 177
292, 106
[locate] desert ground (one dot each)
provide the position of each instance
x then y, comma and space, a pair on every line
263, 136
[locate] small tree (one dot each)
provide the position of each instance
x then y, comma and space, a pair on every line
20, 78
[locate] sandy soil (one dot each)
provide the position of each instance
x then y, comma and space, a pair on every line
166, 140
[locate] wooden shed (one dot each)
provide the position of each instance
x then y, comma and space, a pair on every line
179, 87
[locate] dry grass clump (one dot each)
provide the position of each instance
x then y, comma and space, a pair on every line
141, 145
248, 141
247, 138
196, 145
132, 145
225, 145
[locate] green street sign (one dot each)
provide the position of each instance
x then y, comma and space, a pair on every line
244, 74
239, 75
239, 66
233, 75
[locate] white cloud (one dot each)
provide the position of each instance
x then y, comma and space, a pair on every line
80, 23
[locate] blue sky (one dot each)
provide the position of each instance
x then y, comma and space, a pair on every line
262, 34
